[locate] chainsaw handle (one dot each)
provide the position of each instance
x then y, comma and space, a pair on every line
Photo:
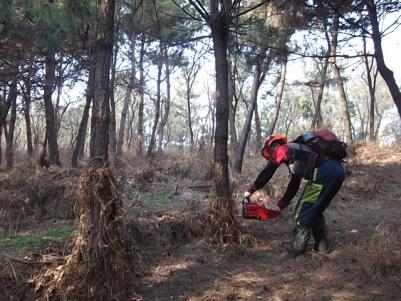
246, 200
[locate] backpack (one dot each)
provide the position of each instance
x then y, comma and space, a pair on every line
324, 143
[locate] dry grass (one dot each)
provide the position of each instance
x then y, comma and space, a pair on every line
36, 193
384, 254
223, 230
167, 251
97, 266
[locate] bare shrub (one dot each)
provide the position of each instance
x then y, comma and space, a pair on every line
97, 265
384, 254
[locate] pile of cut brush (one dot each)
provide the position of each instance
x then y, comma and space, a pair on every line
30, 195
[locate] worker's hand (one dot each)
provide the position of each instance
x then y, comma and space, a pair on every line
246, 197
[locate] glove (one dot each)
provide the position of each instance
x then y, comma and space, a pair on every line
247, 194
246, 197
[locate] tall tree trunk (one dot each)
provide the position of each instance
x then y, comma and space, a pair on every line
223, 227
131, 129
378, 123
27, 112
5, 104
259, 76
317, 120
317, 117
232, 107
139, 134
190, 72
96, 268
80, 141
220, 39
59, 82
189, 117
279, 95
1, 149
258, 129
339, 81
156, 101
51, 127
385, 72
167, 103
371, 81
113, 129
128, 94
10, 133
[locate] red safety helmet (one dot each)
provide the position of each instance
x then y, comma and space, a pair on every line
266, 153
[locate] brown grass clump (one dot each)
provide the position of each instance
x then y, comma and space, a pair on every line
97, 266
39, 193
384, 255
223, 229
370, 153
165, 231
194, 166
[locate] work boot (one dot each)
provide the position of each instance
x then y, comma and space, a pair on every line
319, 233
323, 246
301, 237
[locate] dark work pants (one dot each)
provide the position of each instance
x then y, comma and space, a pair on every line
317, 195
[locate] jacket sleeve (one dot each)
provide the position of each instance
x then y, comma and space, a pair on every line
264, 176
278, 157
290, 192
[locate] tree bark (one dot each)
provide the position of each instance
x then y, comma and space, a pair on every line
189, 117
10, 133
258, 129
27, 112
258, 78
157, 102
190, 73
100, 109
279, 95
131, 130
113, 139
317, 117
5, 105
219, 27
167, 103
51, 127
371, 81
385, 72
80, 141
339, 81
232, 111
59, 82
139, 135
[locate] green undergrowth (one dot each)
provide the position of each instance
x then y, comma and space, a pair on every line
164, 196
22, 241
392, 192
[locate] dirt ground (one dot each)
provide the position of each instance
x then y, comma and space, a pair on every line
165, 205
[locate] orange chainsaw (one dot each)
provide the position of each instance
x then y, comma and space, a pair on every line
254, 210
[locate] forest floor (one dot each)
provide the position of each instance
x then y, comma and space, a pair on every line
164, 206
